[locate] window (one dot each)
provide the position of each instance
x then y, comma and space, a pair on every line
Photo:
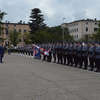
25, 30
95, 29
86, 23
14, 25
77, 35
77, 29
7, 31
15, 30
6, 25
86, 29
20, 30
95, 23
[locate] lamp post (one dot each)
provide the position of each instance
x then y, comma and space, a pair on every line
63, 30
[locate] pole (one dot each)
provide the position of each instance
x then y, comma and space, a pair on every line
63, 30
63, 35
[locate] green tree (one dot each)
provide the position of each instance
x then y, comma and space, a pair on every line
56, 34
36, 22
14, 37
27, 38
1, 18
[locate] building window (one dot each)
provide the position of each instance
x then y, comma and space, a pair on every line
20, 30
86, 29
6, 25
86, 23
14, 25
25, 30
15, 30
95, 29
77, 29
77, 36
95, 23
6, 31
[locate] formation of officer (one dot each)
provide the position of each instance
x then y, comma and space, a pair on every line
1, 52
77, 54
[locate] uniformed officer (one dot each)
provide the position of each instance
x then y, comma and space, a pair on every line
68, 53
97, 57
79, 55
84, 55
50, 55
75, 59
61, 53
91, 56
65, 47
70, 49
1, 52
54, 52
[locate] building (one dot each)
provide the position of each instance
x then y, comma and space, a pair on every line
14, 27
79, 29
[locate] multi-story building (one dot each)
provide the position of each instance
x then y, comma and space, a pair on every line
78, 29
14, 27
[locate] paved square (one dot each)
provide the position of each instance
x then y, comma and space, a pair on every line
24, 78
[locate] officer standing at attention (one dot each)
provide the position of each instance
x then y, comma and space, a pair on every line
91, 56
65, 53
58, 53
61, 53
84, 55
75, 59
97, 58
1, 52
71, 54
54, 52
79, 55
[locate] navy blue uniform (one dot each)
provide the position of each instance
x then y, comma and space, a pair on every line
75, 59
54, 52
79, 56
70, 55
1, 53
85, 56
97, 58
65, 54
91, 57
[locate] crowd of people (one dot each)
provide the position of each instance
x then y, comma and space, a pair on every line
80, 55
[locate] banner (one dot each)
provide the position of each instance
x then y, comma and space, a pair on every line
36, 52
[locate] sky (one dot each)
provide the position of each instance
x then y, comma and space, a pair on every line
55, 12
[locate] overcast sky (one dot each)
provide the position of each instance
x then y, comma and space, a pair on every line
54, 10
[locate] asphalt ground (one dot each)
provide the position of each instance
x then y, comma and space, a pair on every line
25, 78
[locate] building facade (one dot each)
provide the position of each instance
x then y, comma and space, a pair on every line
14, 27
78, 29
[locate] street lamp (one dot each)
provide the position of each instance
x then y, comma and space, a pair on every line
63, 26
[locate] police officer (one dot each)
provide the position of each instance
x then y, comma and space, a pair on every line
91, 56
79, 55
70, 49
75, 59
1, 52
61, 53
50, 55
65, 47
54, 52
68, 53
84, 55
97, 58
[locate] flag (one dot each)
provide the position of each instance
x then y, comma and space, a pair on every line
36, 52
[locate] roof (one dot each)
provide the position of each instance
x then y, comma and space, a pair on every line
83, 20
16, 23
